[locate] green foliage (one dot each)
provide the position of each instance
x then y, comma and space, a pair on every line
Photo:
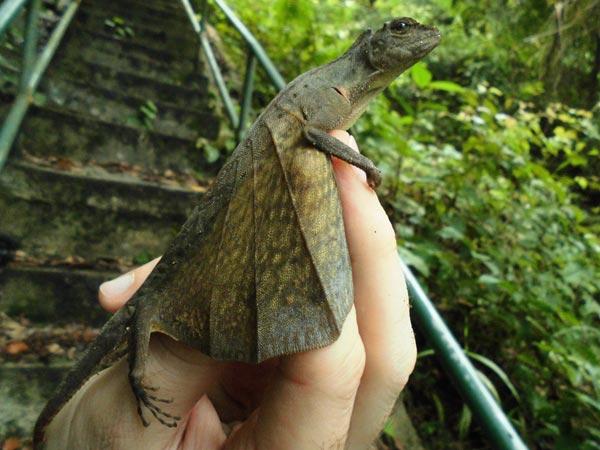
119, 27
147, 114
494, 230
492, 187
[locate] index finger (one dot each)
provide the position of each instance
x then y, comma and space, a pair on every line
114, 293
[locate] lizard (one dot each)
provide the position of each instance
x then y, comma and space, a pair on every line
261, 267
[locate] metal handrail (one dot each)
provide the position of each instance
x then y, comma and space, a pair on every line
255, 52
458, 366
34, 64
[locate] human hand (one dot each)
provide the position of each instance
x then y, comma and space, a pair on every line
335, 397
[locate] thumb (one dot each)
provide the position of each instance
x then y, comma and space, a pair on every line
203, 430
182, 374
114, 293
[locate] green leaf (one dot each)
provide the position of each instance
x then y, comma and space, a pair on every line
497, 370
450, 233
389, 429
421, 74
488, 279
414, 260
464, 423
448, 86
211, 153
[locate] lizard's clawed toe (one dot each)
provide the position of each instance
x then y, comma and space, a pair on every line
145, 400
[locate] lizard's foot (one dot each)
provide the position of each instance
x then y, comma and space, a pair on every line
149, 401
373, 177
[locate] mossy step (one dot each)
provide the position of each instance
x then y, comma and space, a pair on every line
108, 41
143, 85
52, 131
24, 391
51, 212
178, 36
124, 55
174, 26
136, 8
138, 12
112, 54
117, 106
49, 294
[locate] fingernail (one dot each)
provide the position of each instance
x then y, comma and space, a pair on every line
118, 285
353, 143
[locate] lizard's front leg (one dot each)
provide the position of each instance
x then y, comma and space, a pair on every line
330, 145
138, 355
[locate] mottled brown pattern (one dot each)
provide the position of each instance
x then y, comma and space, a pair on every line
261, 268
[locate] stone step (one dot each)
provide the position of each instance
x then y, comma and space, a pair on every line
87, 211
139, 11
181, 35
106, 40
113, 105
48, 293
24, 390
52, 131
118, 79
130, 57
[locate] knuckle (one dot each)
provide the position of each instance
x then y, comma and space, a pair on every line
354, 365
398, 368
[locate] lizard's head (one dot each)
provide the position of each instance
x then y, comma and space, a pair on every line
335, 95
399, 44
377, 58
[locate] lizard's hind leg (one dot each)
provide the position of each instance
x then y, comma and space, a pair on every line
139, 342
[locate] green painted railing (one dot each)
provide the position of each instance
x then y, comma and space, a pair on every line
34, 64
459, 368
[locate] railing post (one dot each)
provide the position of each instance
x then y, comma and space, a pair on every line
32, 72
246, 94
200, 29
8, 11
30, 45
485, 409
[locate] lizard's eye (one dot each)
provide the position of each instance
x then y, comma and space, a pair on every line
399, 25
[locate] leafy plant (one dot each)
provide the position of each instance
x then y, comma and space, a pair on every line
119, 27
148, 113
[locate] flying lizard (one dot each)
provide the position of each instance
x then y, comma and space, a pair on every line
261, 268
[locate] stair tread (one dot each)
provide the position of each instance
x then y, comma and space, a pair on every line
69, 81
123, 107
184, 90
87, 117
141, 29
190, 48
53, 213
135, 10
161, 54
52, 131
97, 175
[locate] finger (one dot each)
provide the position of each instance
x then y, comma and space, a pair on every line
342, 168
203, 430
310, 401
381, 302
114, 293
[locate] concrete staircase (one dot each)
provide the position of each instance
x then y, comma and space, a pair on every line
108, 163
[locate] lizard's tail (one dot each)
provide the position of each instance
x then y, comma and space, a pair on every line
111, 336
